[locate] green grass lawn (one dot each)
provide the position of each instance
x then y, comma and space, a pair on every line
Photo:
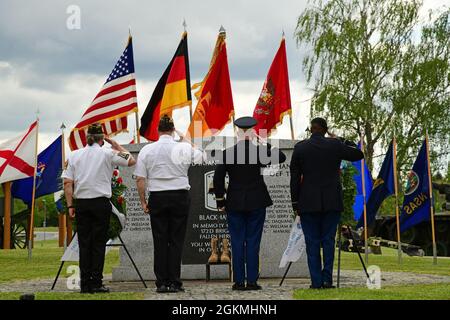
46, 229
45, 261
407, 292
388, 262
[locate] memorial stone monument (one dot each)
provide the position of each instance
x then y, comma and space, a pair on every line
205, 221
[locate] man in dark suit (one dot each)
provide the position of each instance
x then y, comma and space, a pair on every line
246, 199
316, 193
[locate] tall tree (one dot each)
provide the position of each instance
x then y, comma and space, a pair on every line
379, 68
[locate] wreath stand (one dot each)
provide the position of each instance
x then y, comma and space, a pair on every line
121, 244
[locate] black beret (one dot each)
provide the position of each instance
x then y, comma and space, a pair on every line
245, 122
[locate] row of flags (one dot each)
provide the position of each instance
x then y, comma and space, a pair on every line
117, 99
417, 200
215, 109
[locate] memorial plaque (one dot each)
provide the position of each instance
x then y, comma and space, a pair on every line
205, 221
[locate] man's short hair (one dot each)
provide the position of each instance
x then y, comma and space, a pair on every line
166, 124
321, 122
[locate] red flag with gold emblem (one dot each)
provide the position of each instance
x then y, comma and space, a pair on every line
215, 100
275, 99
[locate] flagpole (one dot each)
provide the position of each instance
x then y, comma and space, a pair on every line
397, 213
430, 187
62, 216
7, 216
363, 183
33, 195
138, 136
292, 126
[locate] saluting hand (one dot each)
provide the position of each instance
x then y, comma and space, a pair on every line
114, 144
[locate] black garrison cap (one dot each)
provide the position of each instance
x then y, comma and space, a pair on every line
95, 128
245, 122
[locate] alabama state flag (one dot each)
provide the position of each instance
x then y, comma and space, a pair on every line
18, 155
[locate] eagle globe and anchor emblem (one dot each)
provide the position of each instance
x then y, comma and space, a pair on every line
412, 182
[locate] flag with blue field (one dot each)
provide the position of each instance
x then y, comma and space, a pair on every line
358, 206
48, 176
382, 188
416, 204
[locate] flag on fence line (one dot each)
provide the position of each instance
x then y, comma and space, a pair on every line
111, 106
215, 100
48, 172
172, 91
275, 99
417, 203
358, 205
383, 187
18, 155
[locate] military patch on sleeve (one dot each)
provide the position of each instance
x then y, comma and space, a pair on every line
124, 155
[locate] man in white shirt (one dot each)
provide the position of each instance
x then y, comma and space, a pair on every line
87, 181
162, 171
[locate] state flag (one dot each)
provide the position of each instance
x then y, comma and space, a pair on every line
417, 204
18, 155
48, 175
383, 187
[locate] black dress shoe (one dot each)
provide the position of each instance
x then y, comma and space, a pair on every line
180, 288
253, 286
162, 289
311, 287
327, 285
101, 289
172, 289
86, 290
238, 286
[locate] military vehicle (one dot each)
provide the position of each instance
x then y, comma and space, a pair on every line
420, 234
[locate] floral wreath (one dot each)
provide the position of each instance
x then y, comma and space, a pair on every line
117, 199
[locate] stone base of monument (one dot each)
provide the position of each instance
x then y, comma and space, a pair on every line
205, 222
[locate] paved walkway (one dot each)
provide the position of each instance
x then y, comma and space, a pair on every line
221, 290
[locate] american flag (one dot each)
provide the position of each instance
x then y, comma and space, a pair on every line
113, 103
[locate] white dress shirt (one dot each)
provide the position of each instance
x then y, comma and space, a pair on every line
91, 170
165, 164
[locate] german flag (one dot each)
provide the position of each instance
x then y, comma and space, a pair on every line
172, 92
215, 100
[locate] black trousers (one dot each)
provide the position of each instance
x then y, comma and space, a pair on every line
169, 212
92, 217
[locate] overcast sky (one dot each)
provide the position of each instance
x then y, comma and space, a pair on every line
45, 65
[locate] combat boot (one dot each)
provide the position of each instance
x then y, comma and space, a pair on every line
225, 257
214, 258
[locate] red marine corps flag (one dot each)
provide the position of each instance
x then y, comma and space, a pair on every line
115, 101
275, 99
172, 91
18, 155
215, 100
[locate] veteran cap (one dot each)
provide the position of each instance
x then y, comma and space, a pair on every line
245, 122
95, 128
166, 123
